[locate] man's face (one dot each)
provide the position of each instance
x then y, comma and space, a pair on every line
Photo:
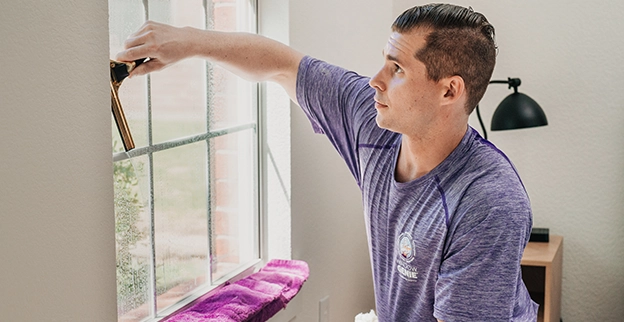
406, 101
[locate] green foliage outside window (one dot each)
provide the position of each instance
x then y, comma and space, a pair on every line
132, 271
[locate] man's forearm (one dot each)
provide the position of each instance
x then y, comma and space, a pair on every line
250, 56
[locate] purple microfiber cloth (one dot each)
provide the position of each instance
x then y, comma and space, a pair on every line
255, 298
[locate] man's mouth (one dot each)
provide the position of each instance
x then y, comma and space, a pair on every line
379, 105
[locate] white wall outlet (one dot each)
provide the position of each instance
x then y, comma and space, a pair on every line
324, 309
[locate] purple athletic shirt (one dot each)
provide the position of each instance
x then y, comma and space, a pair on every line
446, 245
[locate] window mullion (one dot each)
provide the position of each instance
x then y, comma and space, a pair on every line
152, 236
182, 141
259, 161
208, 9
152, 226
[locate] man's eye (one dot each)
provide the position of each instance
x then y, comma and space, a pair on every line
397, 69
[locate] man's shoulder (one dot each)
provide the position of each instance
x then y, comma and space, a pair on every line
485, 177
317, 72
486, 164
488, 189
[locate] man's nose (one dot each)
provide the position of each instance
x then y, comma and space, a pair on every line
376, 82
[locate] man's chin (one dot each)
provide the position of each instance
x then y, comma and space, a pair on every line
382, 123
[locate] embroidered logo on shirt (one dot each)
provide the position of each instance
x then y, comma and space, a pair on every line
406, 253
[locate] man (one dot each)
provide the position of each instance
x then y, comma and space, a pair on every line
447, 215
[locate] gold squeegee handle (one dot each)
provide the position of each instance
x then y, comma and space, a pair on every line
120, 119
118, 72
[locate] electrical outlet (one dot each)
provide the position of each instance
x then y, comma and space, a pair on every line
324, 309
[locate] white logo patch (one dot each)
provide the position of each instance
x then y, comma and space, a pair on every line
406, 251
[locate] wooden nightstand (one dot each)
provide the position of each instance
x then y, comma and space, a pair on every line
541, 272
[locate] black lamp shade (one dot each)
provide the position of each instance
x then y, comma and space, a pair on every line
518, 111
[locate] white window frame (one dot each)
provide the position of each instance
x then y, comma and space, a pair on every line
261, 186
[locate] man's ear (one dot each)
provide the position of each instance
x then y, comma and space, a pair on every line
455, 89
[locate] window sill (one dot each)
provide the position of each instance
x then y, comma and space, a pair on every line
256, 297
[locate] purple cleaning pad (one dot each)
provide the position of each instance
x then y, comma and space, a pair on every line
255, 298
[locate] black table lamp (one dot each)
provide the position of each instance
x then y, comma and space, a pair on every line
516, 111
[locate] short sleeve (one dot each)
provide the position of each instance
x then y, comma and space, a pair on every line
337, 102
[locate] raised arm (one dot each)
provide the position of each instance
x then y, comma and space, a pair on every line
250, 56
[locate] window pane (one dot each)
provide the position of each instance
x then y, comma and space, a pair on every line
126, 17
230, 15
178, 96
181, 221
230, 99
178, 93
233, 202
133, 98
132, 239
229, 95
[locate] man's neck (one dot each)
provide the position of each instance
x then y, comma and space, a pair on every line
419, 155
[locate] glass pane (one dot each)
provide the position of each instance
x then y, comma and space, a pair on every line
233, 202
178, 93
181, 221
230, 99
229, 95
133, 98
126, 17
230, 15
132, 239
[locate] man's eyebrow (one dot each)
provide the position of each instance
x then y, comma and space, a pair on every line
393, 58
389, 57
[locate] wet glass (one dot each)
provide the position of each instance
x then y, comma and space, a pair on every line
233, 196
132, 222
181, 221
203, 190
178, 93
229, 95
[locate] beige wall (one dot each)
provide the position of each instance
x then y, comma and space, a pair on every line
57, 247
327, 218
55, 194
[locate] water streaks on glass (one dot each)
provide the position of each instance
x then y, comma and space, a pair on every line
186, 198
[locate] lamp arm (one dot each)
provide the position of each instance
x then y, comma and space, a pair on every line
512, 82
481, 122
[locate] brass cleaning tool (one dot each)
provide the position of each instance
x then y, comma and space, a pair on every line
118, 72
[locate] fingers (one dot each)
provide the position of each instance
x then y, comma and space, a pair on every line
137, 40
145, 30
134, 53
160, 42
151, 66
140, 44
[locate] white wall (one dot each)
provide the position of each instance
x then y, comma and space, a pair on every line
569, 57
57, 248
328, 222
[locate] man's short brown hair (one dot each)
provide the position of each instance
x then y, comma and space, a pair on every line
461, 42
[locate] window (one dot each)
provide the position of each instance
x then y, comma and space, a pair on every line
186, 198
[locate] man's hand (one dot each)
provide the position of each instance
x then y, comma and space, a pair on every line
163, 44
